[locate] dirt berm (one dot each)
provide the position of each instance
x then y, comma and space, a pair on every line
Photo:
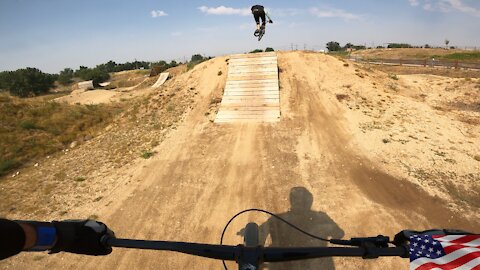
204, 173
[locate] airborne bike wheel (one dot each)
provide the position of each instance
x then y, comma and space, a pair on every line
251, 238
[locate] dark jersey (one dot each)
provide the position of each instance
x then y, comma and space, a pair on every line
12, 238
258, 8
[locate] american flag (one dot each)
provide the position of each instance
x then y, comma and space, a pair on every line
459, 252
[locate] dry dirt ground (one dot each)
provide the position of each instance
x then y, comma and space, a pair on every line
378, 154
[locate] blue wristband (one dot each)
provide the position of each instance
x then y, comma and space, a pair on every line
46, 236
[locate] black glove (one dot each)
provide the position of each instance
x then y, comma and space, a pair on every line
81, 237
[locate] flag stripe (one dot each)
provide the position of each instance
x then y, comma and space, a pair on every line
473, 264
447, 238
452, 248
466, 239
450, 265
445, 259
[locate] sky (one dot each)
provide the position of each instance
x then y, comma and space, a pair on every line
55, 34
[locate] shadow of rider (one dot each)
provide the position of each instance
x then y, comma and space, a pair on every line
300, 214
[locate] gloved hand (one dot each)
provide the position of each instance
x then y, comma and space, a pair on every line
81, 237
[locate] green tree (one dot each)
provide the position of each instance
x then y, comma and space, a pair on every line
333, 46
348, 46
268, 49
27, 82
257, 51
197, 58
65, 76
3, 80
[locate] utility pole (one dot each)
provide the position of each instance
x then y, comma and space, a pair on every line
304, 46
292, 46
296, 47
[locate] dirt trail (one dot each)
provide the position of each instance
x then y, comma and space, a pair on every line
205, 173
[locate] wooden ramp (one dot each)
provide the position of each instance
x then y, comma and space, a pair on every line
252, 90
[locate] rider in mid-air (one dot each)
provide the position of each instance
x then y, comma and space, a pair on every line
258, 12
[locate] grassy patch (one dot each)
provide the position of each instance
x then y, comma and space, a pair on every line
34, 128
80, 179
147, 154
393, 77
464, 56
220, 73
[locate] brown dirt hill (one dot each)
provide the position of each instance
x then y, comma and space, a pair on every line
378, 154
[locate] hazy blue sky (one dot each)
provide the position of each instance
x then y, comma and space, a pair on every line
54, 34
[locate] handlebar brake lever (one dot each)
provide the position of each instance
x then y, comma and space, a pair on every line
379, 241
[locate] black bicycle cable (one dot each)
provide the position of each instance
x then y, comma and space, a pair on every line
273, 215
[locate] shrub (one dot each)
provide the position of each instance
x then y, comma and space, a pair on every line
65, 76
257, 51
27, 82
147, 154
268, 49
333, 46
7, 165
27, 124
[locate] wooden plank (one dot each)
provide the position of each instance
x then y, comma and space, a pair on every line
251, 75
252, 87
253, 93
251, 84
253, 70
259, 66
232, 121
252, 59
248, 108
243, 112
251, 55
260, 61
256, 77
250, 97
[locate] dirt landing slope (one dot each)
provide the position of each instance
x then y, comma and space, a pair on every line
205, 173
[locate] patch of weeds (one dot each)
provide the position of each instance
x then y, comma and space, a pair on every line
341, 97
80, 179
346, 64
7, 165
386, 141
170, 108
347, 86
147, 154
28, 124
477, 157
452, 161
98, 199
393, 87
440, 154
360, 75
215, 100
220, 73
393, 77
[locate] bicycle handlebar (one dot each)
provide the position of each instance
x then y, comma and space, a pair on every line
233, 253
